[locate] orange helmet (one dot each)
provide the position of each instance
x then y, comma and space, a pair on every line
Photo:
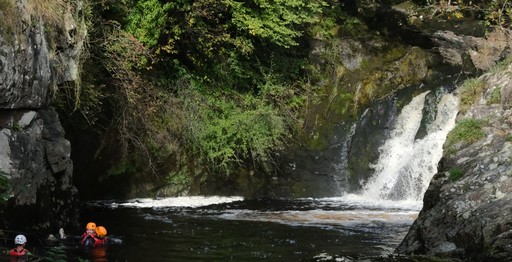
101, 231
91, 225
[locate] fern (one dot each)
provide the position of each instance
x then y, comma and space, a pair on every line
55, 254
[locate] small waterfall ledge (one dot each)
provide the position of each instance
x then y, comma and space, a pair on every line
406, 164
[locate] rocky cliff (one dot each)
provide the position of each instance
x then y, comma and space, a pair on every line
40, 48
467, 212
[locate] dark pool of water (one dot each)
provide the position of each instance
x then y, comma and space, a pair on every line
256, 230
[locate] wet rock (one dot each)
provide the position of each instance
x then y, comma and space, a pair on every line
39, 167
471, 217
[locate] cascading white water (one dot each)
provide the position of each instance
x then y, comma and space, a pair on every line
406, 165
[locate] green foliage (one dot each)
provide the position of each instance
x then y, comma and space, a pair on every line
219, 41
124, 51
4, 187
498, 13
495, 97
492, 13
146, 21
6, 6
78, 100
509, 138
325, 29
501, 65
55, 254
351, 26
335, 23
469, 92
9, 13
16, 127
455, 173
221, 82
87, 103
274, 20
229, 128
126, 165
273, 91
179, 179
466, 131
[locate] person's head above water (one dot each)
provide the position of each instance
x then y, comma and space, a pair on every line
101, 231
20, 240
19, 250
90, 229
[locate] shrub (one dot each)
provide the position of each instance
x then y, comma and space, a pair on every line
180, 178
501, 65
124, 51
229, 129
466, 131
469, 92
146, 21
495, 97
498, 13
56, 254
455, 173
9, 14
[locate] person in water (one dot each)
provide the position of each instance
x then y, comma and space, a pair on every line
101, 234
19, 250
91, 238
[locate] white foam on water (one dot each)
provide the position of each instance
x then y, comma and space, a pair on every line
363, 202
356, 210
189, 201
317, 217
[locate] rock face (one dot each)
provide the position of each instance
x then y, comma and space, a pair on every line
480, 52
34, 155
367, 70
471, 217
464, 41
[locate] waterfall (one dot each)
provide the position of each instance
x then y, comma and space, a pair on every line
342, 164
406, 165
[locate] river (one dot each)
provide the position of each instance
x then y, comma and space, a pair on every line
235, 229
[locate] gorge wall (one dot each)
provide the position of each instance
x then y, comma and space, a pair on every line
467, 212
40, 48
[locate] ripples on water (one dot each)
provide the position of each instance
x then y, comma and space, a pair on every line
234, 229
